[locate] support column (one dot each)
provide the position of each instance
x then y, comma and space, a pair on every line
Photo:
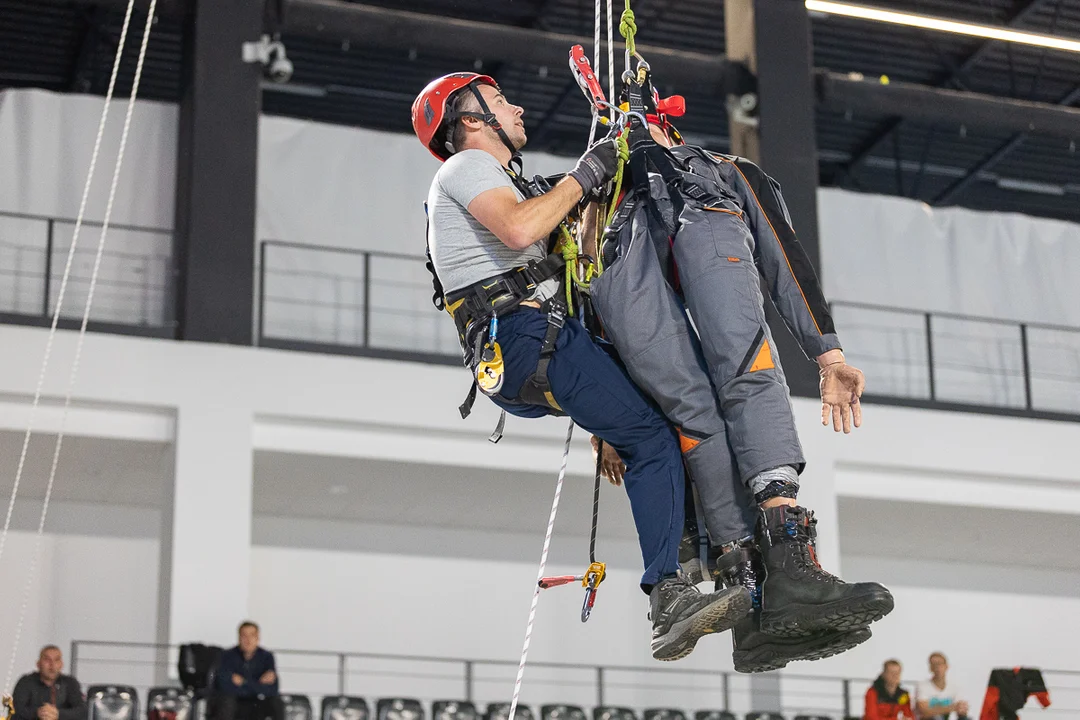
217, 160
772, 39
206, 539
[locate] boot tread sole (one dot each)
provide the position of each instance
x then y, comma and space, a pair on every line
716, 617
747, 663
842, 616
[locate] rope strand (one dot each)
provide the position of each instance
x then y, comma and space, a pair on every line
540, 574
86, 311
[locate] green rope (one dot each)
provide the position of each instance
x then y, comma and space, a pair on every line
628, 28
624, 157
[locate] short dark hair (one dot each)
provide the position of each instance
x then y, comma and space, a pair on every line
462, 101
47, 648
248, 623
940, 655
891, 661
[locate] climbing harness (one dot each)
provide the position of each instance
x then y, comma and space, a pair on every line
86, 312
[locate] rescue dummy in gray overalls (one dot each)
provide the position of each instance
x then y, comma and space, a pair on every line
698, 235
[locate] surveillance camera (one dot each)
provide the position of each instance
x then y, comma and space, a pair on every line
271, 54
280, 69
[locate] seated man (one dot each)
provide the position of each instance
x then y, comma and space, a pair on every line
247, 681
47, 694
936, 699
886, 700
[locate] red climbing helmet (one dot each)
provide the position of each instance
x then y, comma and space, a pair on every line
429, 110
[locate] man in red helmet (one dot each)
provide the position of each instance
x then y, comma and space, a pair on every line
487, 240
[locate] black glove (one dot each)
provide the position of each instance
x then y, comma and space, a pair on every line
598, 165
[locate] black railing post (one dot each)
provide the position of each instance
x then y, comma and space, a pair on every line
930, 356
341, 673
847, 691
74, 656
1026, 358
468, 680
727, 690
599, 686
50, 225
367, 299
262, 293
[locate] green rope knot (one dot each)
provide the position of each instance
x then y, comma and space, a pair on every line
628, 28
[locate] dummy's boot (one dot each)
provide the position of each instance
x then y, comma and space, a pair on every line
798, 597
690, 552
753, 650
681, 614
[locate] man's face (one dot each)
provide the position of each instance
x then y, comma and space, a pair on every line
891, 675
50, 664
507, 115
249, 639
938, 666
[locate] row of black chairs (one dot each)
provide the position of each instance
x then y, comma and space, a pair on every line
121, 702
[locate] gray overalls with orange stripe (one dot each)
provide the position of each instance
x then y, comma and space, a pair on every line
721, 385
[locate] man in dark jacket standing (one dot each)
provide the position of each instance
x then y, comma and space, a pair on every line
47, 694
247, 679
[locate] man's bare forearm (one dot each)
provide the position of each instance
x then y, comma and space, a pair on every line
535, 218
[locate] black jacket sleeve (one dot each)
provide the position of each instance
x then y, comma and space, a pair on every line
793, 283
22, 697
74, 705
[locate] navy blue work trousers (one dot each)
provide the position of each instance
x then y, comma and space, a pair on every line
597, 393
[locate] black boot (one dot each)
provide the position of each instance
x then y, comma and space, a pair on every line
690, 549
754, 651
681, 614
798, 597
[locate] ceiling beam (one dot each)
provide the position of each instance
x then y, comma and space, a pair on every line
953, 76
995, 157
376, 27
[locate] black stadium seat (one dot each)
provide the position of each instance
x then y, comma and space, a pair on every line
344, 707
112, 702
399, 709
714, 715
297, 707
812, 717
168, 703
454, 710
562, 712
664, 714
764, 716
501, 711
612, 712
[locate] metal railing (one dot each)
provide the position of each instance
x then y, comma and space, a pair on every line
964, 361
430, 678
133, 293
337, 300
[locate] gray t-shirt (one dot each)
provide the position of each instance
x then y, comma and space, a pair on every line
463, 250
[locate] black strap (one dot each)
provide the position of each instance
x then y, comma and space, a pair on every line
596, 500
537, 388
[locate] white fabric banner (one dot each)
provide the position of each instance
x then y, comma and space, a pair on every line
354, 189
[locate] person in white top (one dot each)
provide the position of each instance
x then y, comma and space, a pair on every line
936, 699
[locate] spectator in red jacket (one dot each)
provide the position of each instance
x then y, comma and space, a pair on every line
886, 700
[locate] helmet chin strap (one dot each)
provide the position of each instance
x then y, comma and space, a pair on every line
489, 118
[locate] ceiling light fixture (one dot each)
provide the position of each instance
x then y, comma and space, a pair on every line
927, 22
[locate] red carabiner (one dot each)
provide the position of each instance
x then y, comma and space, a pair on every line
586, 78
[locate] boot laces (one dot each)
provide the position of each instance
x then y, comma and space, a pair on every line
804, 535
685, 591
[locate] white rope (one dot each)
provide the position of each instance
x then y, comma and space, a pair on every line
597, 15
611, 57
86, 311
540, 575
